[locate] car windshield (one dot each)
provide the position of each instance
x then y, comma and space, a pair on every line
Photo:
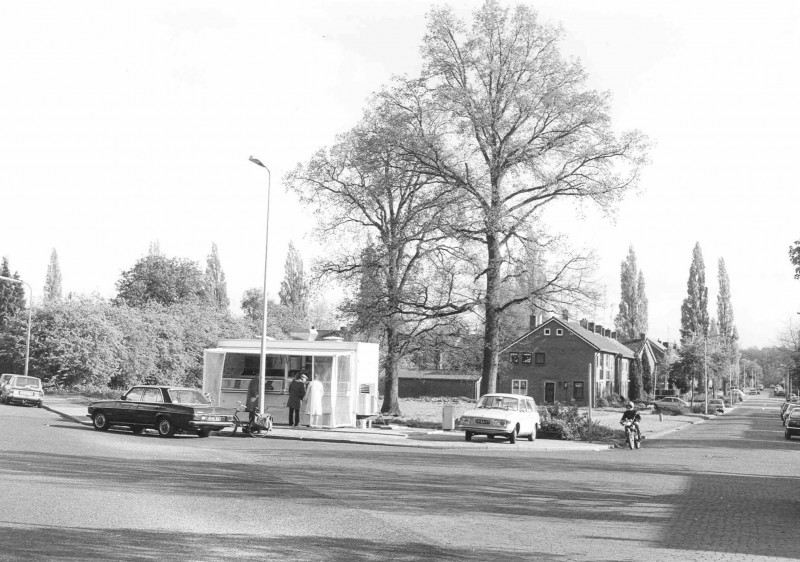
499, 402
795, 413
27, 381
187, 396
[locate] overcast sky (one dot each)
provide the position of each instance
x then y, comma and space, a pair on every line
125, 123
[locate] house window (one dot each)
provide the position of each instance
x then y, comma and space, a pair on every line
547, 331
526, 358
559, 332
577, 390
539, 357
514, 357
519, 386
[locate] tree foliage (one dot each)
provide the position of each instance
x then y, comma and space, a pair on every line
694, 311
52, 284
631, 321
295, 287
726, 327
12, 295
387, 224
794, 258
158, 279
499, 116
216, 289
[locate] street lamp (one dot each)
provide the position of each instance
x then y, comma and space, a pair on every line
30, 307
263, 362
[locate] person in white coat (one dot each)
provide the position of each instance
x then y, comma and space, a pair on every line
313, 401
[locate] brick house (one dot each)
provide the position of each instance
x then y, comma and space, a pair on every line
553, 362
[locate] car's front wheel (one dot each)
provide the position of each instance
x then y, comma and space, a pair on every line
165, 427
512, 437
532, 436
100, 421
468, 435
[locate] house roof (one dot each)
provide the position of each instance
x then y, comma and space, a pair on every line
436, 374
638, 344
599, 342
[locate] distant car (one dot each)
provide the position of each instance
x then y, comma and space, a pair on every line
792, 424
716, 405
672, 404
779, 392
168, 410
20, 389
754, 391
506, 415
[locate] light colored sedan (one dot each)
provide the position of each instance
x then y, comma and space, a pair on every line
672, 404
716, 405
506, 415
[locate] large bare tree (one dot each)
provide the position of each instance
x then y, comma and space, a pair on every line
500, 116
381, 221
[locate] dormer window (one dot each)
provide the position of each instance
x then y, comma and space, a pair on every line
547, 331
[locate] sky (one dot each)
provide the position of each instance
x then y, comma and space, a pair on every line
128, 123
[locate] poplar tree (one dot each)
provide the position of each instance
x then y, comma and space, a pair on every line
632, 318
294, 291
52, 284
729, 336
216, 287
694, 311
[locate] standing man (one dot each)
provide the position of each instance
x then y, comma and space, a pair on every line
297, 391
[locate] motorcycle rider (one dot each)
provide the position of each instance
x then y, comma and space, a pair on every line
630, 413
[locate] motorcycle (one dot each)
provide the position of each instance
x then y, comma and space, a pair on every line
632, 437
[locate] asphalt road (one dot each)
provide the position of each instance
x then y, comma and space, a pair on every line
724, 489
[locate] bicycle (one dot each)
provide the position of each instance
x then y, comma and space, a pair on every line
252, 424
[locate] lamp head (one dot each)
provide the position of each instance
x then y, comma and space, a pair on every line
257, 161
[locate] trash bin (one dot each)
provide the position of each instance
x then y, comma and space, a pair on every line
448, 417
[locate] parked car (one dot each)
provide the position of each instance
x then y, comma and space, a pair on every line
716, 405
792, 424
167, 409
754, 391
671, 404
20, 389
738, 395
790, 407
506, 415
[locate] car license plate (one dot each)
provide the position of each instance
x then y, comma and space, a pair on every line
482, 421
214, 418
27, 393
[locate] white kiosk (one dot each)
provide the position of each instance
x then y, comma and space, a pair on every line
348, 372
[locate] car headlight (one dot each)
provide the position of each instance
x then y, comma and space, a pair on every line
499, 423
464, 421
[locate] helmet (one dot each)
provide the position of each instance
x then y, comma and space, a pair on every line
629, 405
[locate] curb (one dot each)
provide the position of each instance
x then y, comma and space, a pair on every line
65, 416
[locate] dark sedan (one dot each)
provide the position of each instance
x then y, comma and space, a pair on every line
168, 410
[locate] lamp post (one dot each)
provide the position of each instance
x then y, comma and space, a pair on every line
263, 362
30, 307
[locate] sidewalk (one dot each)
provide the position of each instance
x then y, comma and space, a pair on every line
73, 408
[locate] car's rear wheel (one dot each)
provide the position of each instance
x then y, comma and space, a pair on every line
137, 429
532, 436
468, 435
100, 421
165, 427
512, 437
204, 432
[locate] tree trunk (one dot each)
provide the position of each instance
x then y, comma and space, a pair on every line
391, 405
491, 338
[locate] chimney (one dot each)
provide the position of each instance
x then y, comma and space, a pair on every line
590, 326
613, 334
565, 315
533, 321
598, 329
583, 322
607, 333
642, 335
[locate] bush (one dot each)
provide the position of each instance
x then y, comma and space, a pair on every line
566, 422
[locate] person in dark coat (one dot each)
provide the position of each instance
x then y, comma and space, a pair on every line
252, 400
297, 391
